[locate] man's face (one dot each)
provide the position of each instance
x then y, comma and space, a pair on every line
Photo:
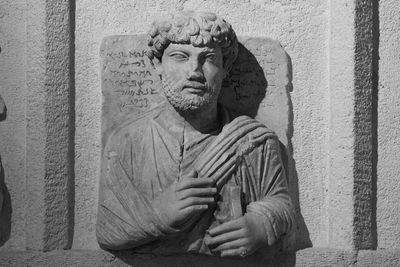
192, 76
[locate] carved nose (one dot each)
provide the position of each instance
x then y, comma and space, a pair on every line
196, 76
195, 72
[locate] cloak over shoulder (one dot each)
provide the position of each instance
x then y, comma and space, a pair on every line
145, 156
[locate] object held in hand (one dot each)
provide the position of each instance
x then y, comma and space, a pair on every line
243, 252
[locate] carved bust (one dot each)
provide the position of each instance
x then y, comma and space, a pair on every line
187, 176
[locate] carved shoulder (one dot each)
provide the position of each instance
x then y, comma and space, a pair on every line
131, 130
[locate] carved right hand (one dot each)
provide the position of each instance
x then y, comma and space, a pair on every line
184, 199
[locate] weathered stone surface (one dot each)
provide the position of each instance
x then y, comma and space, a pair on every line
376, 258
58, 258
49, 127
325, 257
388, 108
130, 84
340, 183
352, 158
365, 124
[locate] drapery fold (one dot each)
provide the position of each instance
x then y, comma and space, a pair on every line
245, 154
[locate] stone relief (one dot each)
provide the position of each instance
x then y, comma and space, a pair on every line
185, 166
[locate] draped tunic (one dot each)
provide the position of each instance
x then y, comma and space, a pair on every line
145, 155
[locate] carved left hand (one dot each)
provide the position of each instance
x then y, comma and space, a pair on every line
238, 238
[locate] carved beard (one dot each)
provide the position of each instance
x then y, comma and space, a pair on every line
187, 103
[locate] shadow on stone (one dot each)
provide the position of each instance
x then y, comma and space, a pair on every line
302, 235
3, 110
3, 115
245, 88
301, 238
5, 209
5, 199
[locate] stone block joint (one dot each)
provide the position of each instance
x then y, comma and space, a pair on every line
365, 123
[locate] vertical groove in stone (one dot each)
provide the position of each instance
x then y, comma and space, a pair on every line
375, 86
365, 124
71, 148
59, 124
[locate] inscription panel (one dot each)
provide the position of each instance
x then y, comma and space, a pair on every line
257, 86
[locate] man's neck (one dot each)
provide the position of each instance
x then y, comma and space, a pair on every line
205, 120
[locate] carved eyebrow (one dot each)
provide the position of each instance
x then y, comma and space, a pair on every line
178, 51
209, 50
183, 50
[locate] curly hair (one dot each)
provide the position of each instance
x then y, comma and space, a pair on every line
197, 28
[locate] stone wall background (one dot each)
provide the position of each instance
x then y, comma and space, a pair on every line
346, 128
388, 212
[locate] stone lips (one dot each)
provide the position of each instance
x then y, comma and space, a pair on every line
257, 86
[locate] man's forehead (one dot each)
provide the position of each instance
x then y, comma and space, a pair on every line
191, 48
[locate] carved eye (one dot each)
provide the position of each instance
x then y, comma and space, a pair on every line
178, 56
212, 58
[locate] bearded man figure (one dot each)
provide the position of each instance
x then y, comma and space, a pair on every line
185, 176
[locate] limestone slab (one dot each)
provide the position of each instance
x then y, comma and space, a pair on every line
257, 86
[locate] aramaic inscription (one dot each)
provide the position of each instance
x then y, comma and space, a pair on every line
186, 167
129, 82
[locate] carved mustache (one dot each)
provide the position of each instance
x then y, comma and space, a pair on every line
195, 85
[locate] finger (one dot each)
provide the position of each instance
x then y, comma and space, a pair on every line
226, 227
239, 252
194, 182
193, 209
194, 201
197, 192
226, 237
231, 245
